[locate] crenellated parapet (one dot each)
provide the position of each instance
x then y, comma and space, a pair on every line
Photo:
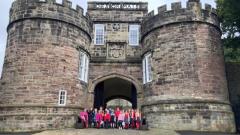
192, 13
50, 9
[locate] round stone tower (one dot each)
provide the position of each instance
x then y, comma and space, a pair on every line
188, 90
42, 59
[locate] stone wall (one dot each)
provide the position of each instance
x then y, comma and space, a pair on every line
116, 58
42, 57
116, 17
115, 39
189, 88
180, 115
188, 70
117, 11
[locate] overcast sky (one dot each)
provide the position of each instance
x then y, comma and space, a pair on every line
5, 6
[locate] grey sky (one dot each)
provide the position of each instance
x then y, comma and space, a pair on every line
5, 6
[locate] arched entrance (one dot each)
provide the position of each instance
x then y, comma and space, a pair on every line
114, 88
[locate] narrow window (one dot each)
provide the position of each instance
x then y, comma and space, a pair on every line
99, 34
62, 97
134, 35
147, 69
144, 71
83, 66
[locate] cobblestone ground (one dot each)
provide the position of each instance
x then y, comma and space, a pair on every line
116, 132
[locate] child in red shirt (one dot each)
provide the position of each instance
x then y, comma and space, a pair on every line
126, 119
107, 118
138, 119
117, 112
132, 118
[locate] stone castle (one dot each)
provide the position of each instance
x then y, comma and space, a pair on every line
59, 61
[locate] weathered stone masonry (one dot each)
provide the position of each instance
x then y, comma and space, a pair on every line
42, 58
188, 91
128, 64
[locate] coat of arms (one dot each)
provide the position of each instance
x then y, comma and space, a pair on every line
116, 51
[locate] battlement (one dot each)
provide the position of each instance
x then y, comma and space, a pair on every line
99, 5
178, 6
178, 14
50, 9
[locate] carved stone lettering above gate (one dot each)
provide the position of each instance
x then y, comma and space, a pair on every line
116, 50
118, 5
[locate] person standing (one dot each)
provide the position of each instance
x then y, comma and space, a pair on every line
94, 118
107, 118
138, 119
112, 120
120, 120
84, 118
91, 118
99, 119
117, 112
132, 119
103, 117
126, 119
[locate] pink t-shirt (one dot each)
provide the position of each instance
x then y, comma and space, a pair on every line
99, 117
84, 116
121, 117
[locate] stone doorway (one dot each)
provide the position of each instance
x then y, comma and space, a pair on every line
114, 88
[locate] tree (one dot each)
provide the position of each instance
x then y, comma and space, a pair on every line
229, 13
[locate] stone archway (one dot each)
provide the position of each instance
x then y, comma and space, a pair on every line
115, 86
129, 78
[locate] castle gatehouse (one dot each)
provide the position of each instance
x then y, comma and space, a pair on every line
169, 64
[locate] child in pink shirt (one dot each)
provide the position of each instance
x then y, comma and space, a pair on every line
84, 118
120, 120
99, 118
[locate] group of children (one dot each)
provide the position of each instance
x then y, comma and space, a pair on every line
109, 118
